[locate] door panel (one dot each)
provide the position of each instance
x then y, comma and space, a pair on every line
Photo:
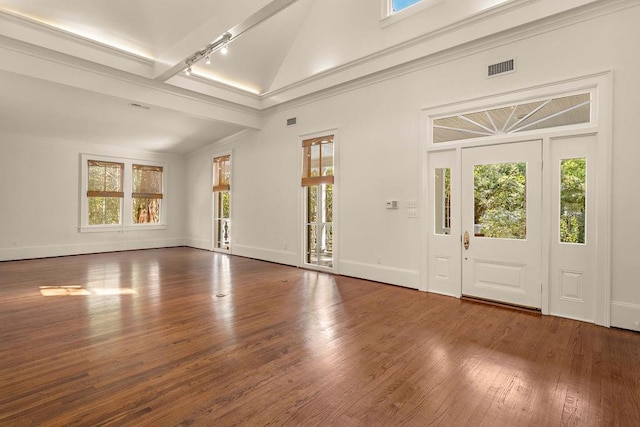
443, 264
501, 220
573, 228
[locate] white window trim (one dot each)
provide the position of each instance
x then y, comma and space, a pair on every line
127, 223
213, 202
388, 17
601, 125
336, 201
508, 136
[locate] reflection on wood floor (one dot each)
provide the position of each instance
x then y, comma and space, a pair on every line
211, 339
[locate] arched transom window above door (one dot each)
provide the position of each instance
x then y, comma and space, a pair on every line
528, 116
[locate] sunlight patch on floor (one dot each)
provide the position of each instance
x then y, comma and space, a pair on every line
76, 290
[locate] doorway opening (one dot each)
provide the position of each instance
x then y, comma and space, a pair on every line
318, 201
516, 198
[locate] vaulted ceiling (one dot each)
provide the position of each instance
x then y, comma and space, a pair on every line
112, 71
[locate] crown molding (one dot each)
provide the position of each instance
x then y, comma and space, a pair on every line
398, 48
564, 19
389, 63
22, 26
217, 145
215, 89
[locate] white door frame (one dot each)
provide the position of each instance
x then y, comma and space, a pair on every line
600, 126
213, 202
336, 205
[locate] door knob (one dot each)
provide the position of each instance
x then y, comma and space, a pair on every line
465, 240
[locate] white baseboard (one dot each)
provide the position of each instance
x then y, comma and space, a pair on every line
625, 315
379, 273
10, 254
198, 243
271, 255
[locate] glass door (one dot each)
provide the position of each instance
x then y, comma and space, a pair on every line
318, 188
501, 223
222, 203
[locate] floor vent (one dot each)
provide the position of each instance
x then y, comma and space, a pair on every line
292, 121
501, 68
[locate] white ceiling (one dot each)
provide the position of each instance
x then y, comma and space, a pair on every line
37, 108
70, 68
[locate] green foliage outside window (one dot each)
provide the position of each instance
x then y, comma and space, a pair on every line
225, 204
500, 200
105, 182
147, 189
573, 174
104, 210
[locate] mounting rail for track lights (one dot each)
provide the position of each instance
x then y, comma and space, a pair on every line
222, 43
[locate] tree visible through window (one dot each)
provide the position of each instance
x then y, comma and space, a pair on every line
105, 192
573, 190
222, 202
318, 180
500, 207
147, 193
442, 202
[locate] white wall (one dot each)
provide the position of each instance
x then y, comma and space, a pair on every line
378, 150
39, 212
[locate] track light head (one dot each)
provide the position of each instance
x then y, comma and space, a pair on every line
188, 71
207, 60
226, 37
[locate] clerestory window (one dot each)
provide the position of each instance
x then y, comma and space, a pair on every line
398, 5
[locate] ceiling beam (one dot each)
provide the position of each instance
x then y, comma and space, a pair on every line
40, 63
235, 18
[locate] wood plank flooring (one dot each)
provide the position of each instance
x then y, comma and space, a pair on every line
186, 337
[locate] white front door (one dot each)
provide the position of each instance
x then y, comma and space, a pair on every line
501, 222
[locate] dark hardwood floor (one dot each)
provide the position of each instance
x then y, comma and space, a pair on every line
181, 336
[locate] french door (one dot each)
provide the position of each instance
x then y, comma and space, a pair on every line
319, 225
501, 196
318, 189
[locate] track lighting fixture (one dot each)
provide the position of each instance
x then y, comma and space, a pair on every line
221, 44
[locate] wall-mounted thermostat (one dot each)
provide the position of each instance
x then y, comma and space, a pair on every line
392, 204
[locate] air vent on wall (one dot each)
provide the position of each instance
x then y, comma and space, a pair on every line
501, 68
292, 121
136, 105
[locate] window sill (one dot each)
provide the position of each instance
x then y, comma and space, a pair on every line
120, 229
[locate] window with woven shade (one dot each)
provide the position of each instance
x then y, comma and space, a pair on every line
318, 189
147, 193
222, 202
222, 173
104, 192
317, 161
